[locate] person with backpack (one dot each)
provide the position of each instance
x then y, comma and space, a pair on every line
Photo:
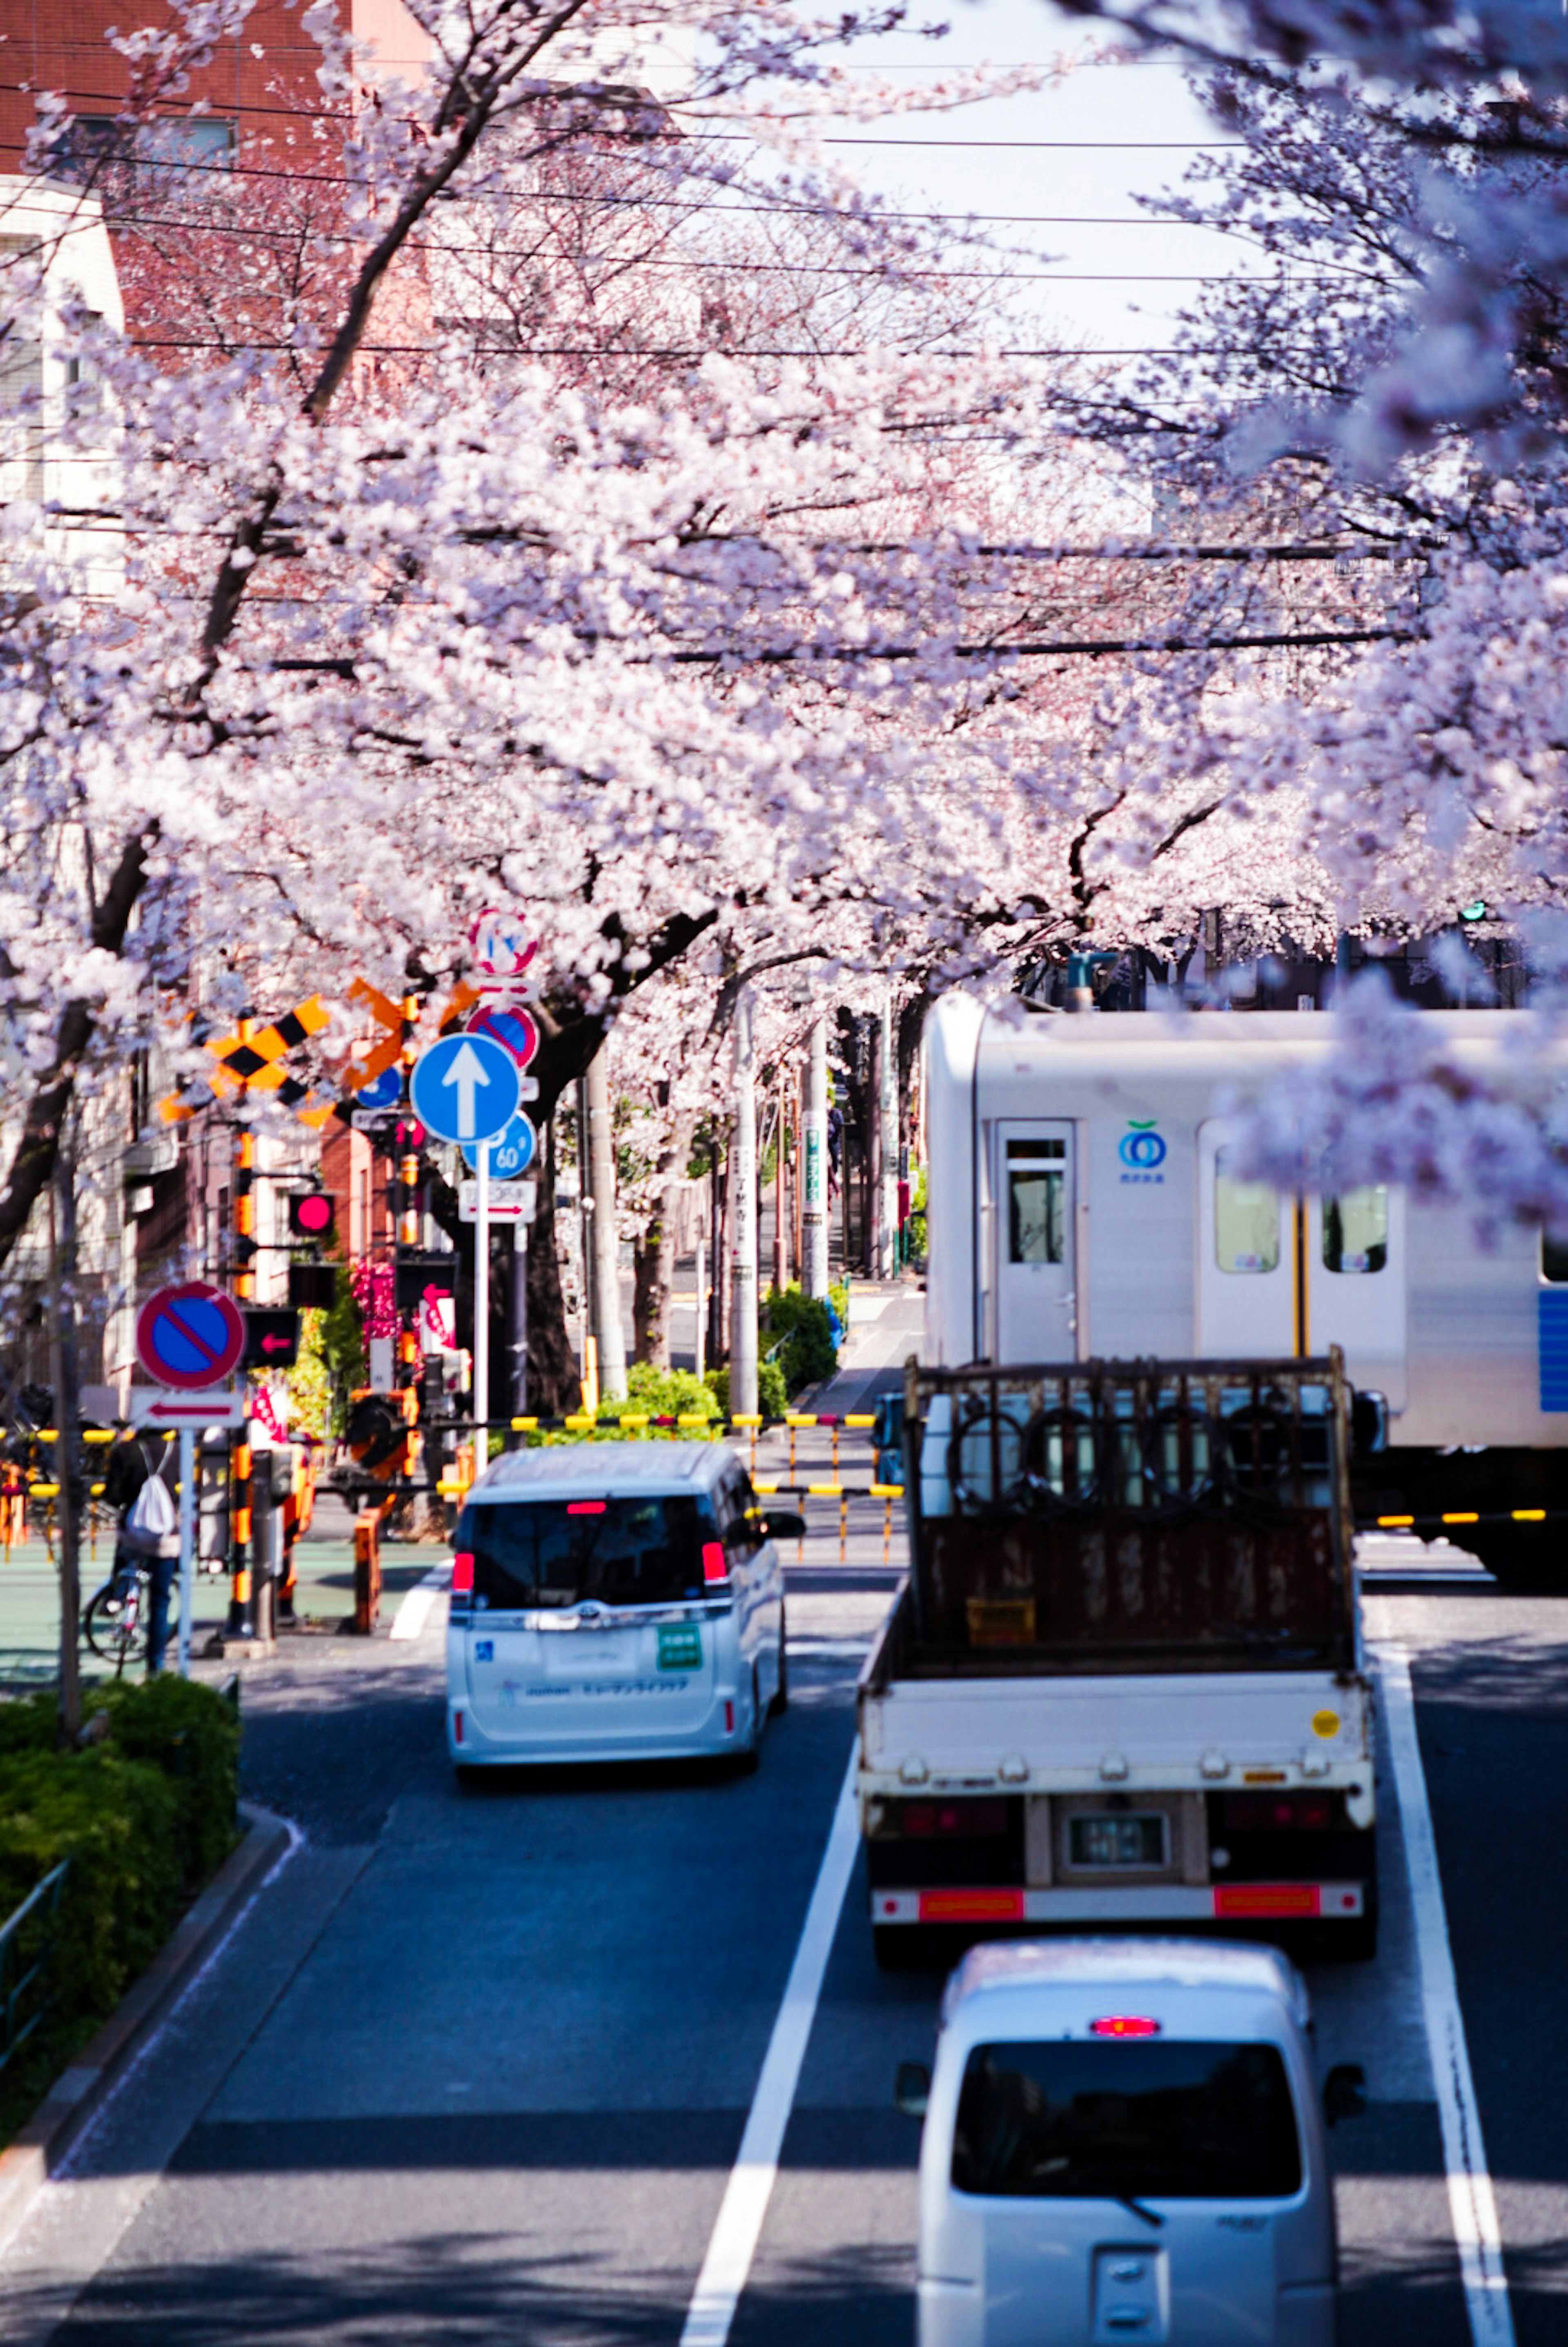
137, 1484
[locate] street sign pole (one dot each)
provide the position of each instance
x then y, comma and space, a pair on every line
482, 1312
186, 1543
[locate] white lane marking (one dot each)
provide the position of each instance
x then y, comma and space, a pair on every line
1473, 2208
415, 1610
738, 2226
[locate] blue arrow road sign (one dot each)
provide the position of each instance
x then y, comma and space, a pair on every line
511, 1155
465, 1088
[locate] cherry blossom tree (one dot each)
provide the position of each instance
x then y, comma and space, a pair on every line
455, 575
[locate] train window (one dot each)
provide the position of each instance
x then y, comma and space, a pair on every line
1356, 1230
1246, 1222
1554, 1260
1036, 1201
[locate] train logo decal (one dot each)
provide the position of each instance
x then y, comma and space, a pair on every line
1142, 1151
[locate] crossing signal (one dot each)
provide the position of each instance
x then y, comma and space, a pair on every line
313, 1285
311, 1214
272, 1338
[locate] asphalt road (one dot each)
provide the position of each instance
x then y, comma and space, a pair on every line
476, 2064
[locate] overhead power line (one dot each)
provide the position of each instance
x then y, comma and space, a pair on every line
1059, 648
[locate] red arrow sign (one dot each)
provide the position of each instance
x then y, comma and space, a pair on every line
276, 1345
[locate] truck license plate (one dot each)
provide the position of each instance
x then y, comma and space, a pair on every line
1116, 1841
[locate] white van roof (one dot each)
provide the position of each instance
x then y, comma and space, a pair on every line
607, 1469
1201, 1964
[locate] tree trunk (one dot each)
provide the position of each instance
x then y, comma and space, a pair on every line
604, 1230
65, 1379
655, 1251
553, 1382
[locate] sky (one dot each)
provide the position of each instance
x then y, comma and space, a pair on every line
1111, 131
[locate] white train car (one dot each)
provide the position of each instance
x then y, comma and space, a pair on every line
1081, 1206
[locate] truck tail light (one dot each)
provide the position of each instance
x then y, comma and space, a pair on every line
715, 1565
462, 1572
1125, 2025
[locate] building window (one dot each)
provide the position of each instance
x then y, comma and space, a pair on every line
196, 145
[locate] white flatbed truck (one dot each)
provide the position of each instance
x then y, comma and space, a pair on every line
1123, 1685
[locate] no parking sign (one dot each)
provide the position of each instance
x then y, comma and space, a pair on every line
190, 1336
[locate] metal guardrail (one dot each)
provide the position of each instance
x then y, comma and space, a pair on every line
25, 1961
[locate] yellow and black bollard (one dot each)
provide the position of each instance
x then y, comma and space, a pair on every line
241, 1586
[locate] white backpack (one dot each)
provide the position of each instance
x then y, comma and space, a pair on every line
152, 1519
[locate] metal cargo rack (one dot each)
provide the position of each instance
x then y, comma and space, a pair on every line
1127, 1516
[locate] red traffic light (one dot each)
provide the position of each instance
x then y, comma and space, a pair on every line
311, 1214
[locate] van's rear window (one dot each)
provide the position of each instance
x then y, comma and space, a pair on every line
1141, 2119
625, 1551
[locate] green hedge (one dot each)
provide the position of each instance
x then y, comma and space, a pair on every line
806, 1353
772, 1394
145, 1816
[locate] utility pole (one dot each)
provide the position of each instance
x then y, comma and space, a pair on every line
887, 1113
65, 1379
814, 1266
606, 1287
781, 1194
517, 1344
871, 1183
743, 1220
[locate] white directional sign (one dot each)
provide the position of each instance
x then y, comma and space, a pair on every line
156, 1406
465, 1089
509, 1202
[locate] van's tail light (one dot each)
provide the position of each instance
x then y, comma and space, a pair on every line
461, 1572
585, 1507
1125, 2025
715, 1564
457, 1727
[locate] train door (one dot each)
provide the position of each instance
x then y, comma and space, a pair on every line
1356, 1284
1246, 1268
1034, 1218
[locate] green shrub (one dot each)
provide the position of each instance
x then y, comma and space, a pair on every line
806, 1353
839, 1297
193, 1737
28, 1725
660, 1393
772, 1397
145, 1816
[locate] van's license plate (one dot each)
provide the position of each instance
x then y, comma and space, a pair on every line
679, 1647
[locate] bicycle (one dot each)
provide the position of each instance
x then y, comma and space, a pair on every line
119, 1612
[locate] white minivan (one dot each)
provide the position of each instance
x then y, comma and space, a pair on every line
1123, 2142
614, 1601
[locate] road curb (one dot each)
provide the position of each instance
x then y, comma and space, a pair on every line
40, 2147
